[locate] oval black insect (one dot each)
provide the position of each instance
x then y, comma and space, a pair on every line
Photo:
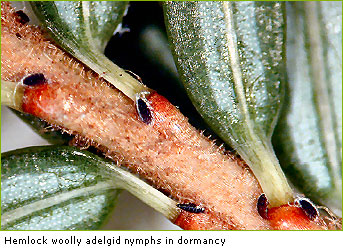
191, 207
308, 207
144, 110
22, 17
34, 79
262, 206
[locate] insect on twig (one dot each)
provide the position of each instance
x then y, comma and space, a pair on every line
191, 207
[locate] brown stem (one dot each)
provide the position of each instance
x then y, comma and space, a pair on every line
169, 153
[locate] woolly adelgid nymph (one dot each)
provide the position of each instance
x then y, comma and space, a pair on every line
191, 207
34, 79
144, 109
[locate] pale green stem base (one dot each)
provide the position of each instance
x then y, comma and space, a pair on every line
262, 160
143, 191
12, 94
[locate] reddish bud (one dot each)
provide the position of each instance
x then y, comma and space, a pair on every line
290, 217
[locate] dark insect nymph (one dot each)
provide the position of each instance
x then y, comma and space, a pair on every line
308, 207
34, 79
262, 206
144, 109
22, 17
191, 207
